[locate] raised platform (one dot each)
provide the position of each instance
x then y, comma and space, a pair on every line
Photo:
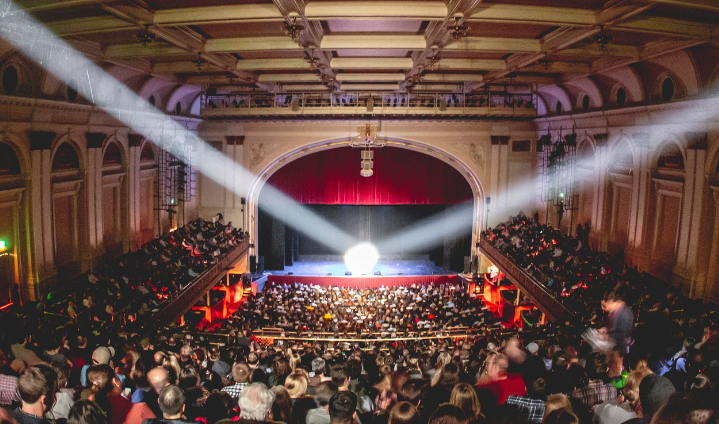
323, 265
363, 282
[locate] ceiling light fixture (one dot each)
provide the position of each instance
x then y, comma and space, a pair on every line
292, 28
311, 59
458, 30
145, 37
545, 62
199, 62
367, 138
602, 39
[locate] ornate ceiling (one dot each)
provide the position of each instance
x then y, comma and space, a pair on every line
459, 45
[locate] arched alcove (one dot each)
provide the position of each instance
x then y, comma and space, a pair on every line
115, 211
13, 224
464, 169
406, 187
67, 206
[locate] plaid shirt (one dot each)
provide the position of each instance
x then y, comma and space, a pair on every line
532, 409
595, 393
235, 389
9, 393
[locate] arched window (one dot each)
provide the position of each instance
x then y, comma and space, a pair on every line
10, 79
668, 89
9, 163
65, 158
621, 97
147, 154
622, 162
585, 103
112, 155
671, 157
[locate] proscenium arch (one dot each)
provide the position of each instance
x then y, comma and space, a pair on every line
251, 222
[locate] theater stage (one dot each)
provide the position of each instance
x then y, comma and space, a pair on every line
330, 271
322, 265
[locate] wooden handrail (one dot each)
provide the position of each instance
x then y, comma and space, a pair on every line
174, 309
536, 291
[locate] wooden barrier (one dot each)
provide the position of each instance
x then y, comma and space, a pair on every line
176, 308
533, 289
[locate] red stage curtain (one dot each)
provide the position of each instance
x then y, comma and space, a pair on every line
363, 282
401, 177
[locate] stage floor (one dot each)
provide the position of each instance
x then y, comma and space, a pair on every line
317, 265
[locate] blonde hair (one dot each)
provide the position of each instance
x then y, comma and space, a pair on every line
631, 387
296, 385
295, 360
556, 402
464, 397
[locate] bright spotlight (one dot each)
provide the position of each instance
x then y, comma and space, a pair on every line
361, 259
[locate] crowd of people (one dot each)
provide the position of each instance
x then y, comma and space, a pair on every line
137, 284
369, 312
656, 360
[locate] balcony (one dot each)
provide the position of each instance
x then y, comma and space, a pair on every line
528, 285
340, 104
176, 307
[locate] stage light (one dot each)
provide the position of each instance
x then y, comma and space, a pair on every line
3, 245
361, 259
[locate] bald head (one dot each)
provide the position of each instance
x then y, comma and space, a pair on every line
159, 378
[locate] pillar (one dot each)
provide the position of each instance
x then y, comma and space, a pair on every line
40, 212
134, 141
93, 170
636, 251
706, 290
689, 234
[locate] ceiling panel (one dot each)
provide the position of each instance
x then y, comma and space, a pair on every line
491, 29
578, 4
471, 55
175, 4
73, 12
677, 12
374, 25
272, 54
112, 38
246, 29
372, 53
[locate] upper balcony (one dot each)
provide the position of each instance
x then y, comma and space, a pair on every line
343, 104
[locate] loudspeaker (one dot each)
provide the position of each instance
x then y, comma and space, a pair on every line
489, 199
467, 265
260, 264
475, 264
243, 200
253, 264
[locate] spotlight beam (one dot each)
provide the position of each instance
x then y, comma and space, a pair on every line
39, 44
430, 232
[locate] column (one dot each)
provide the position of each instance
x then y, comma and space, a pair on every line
93, 170
642, 179
601, 152
713, 272
499, 183
687, 250
134, 141
40, 211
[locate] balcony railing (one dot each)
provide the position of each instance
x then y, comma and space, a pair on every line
533, 289
343, 103
182, 302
